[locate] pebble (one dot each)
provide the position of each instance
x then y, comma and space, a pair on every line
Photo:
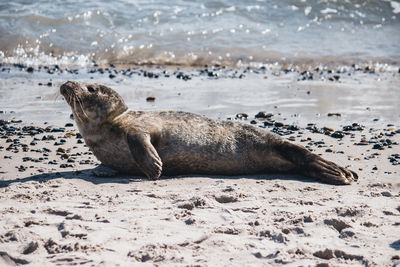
30, 248
337, 134
263, 115
242, 116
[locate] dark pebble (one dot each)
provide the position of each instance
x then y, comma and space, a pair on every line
30, 69
334, 114
183, 76
150, 99
66, 166
337, 134
69, 125
31, 247
263, 115
48, 137
379, 146
58, 130
242, 116
292, 128
61, 150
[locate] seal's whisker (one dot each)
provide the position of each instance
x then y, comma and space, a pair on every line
77, 116
81, 106
56, 95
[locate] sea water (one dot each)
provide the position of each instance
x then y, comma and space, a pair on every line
195, 33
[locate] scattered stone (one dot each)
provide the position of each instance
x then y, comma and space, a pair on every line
241, 116
263, 115
326, 254
226, 199
31, 247
150, 99
337, 134
337, 224
308, 219
386, 194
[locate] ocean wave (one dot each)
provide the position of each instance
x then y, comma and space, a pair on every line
229, 33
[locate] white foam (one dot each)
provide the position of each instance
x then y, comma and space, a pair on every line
328, 10
307, 10
395, 6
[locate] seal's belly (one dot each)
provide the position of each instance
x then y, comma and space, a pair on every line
117, 156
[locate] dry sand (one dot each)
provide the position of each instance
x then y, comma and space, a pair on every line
54, 212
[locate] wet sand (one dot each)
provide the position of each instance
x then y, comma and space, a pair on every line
53, 211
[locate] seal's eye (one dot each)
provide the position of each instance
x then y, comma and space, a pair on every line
90, 89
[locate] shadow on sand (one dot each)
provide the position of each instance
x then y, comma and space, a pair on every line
126, 179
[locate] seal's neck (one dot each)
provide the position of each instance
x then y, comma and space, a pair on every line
121, 115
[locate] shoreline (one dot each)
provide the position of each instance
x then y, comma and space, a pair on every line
363, 95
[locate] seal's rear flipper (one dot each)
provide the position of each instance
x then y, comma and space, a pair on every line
313, 166
104, 171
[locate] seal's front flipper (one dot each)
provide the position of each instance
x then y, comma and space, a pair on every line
145, 155
104, 171
313, 166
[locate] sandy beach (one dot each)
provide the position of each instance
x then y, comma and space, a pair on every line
53, 211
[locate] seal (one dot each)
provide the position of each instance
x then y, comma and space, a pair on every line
156, 143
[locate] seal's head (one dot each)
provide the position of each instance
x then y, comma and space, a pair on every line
92, 103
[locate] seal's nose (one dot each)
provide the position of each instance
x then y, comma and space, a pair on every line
66, 87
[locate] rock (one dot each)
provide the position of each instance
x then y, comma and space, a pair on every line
150, 99
337, 224
337, 134
241, 116
263, 115
386, 194
308, 219
226, 199
326, 254
31, 247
